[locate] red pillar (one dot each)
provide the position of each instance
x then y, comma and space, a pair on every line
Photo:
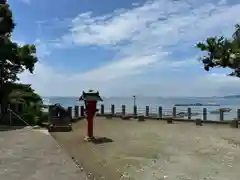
91, 110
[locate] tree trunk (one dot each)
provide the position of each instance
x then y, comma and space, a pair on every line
3, 111
4, 92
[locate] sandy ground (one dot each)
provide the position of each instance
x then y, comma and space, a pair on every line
155, 150
27, 154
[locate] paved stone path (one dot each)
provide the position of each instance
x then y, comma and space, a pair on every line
28, 154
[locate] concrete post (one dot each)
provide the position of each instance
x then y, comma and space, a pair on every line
70, 111
198, 122
82, 111
234, 123
135, 111
189, 111
204, 114
160, 112
238, 114
141, 118
174, 112
169, 121
102, 109
123, 110
221, 115
147, 111
112, 109
76, 111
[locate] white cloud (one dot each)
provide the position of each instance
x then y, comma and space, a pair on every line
144, 39
120, 25
150, 29
169, 22
42, 48
48, 81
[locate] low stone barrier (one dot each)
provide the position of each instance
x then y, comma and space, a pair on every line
234, 123
198, 122
141, 118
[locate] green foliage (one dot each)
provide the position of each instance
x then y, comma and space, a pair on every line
33, 114
30, 118
6, 23
14, 59
222, 52
26, 93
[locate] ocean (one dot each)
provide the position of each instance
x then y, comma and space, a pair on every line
154, 102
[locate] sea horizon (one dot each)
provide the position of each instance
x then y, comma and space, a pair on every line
149, 96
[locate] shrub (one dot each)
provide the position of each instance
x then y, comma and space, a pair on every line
29, 117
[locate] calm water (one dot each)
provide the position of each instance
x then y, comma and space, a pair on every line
154, 102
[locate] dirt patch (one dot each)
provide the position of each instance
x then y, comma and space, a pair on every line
155, 150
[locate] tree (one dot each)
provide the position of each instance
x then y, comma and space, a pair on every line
222, 52
14, 58
24, 93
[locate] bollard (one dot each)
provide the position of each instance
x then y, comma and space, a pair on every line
238, 113
234, 123
69, 109
102, 109
221, 115
169, 121
174, 112
112, 110
126, 117
108, 116
141, 118
82, 111
198, 122
204, 114
123, 110
135, 111
160, 112
189, 111
147, 111
76, 111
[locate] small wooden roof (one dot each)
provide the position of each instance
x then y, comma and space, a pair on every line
91, 95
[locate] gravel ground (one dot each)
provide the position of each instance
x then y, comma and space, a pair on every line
154, 150
27, 154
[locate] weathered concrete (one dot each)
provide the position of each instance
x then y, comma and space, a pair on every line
27, 154
156, 150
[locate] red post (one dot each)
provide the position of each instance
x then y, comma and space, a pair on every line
91, 110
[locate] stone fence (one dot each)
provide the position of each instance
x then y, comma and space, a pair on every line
159, 113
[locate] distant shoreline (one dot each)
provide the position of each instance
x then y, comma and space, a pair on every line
150, 97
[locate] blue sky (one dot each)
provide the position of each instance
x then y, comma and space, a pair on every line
124, 47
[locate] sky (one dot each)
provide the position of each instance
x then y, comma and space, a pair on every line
124, 48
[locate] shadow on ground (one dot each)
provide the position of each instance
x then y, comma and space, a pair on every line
10, 128
101, 140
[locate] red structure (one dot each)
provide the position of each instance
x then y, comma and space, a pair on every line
90, 99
